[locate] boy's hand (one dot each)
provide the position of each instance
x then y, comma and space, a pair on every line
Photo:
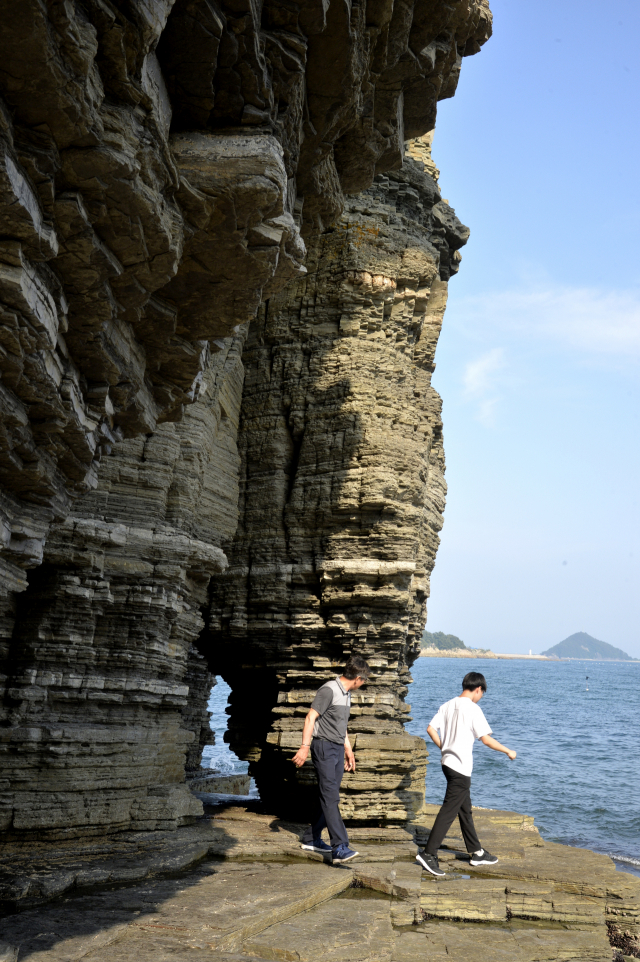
497, 747
349, 760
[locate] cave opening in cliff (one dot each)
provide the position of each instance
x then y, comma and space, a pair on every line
240, 710
218, 757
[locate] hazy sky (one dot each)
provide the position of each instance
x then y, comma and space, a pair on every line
539, 356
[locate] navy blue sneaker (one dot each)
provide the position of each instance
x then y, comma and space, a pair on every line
343, 854
317, 846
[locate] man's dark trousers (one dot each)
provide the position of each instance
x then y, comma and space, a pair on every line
328, 761
457, 801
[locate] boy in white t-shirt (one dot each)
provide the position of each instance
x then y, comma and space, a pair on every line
459, 721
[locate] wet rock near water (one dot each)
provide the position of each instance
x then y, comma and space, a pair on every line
219, 784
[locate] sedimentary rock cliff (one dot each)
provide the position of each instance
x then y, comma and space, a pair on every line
160, 165
342, 490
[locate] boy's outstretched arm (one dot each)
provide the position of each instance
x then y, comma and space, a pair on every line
497, 747
433, 735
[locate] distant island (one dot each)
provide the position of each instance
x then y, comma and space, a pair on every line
436, 644
438, 639
583, 646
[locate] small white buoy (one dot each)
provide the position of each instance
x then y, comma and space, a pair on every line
587, 683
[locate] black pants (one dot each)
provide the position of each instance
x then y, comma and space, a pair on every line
457, 801
328, 761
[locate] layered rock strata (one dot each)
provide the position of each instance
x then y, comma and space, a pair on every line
342, 497
159, 165
152, 159
342, 492
115, 237
106, 700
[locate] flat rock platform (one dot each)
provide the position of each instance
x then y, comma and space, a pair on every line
237, 887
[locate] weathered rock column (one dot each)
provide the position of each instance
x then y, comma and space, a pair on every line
342, 493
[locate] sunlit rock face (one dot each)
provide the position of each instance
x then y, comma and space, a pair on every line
163, 168
342, 492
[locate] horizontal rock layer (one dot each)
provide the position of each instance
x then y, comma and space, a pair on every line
106, 694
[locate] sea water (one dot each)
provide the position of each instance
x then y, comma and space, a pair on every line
219, 756
578, 765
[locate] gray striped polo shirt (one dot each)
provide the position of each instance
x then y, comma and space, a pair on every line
333, 704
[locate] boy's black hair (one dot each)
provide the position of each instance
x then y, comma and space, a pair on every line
473, 680
356, 667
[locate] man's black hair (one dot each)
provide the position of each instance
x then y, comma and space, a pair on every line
356, 667
473, 680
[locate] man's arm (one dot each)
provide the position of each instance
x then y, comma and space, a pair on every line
433, 735
497, 747
349, 757
301, 755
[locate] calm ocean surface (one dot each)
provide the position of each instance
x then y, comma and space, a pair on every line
578, 765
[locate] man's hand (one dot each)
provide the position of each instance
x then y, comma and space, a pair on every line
300, 756
349, 760
511, 754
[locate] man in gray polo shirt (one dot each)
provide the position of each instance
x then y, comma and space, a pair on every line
325, 732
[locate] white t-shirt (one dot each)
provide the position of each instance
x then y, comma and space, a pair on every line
459, 721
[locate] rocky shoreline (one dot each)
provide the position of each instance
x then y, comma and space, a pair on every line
487, 653
237, 886
457, 653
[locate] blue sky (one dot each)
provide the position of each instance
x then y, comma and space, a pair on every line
539, 356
